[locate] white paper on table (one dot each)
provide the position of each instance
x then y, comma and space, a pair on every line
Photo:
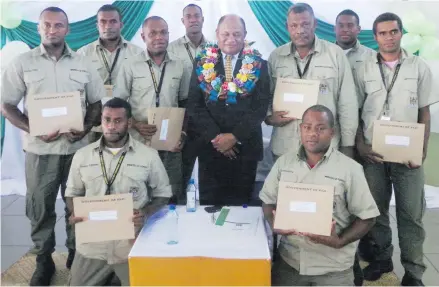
103, 215
54, 112
298, 98
197, 234
397, 140
303, 206
164, 130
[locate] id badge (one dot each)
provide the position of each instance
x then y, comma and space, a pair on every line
386, 116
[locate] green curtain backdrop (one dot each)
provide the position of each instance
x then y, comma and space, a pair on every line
81, 33
273, 16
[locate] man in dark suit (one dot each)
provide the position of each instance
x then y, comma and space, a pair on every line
228, 101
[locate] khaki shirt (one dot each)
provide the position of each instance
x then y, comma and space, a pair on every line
93, 51
35, 73
331, 67
358, 53
178, 48
352, 198
142, 174
134, 84
413, 89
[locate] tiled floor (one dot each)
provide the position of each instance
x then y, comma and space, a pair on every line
16, 241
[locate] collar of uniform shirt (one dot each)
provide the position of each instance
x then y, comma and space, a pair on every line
404, 55
301, 155
122, 43
167, 58
187, 40
291, 49
99, 145
67, 51
234, 60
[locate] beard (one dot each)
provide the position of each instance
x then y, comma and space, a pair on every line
115, 137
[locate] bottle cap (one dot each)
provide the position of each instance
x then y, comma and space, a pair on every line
244, 205
192, 181
171, 207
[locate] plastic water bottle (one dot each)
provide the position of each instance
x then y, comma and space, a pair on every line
172, 225
191, 202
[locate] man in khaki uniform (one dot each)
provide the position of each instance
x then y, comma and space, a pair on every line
141, 173
308, 259
109, 51
186, 48
396, 86
308, 57
347, 28
155, 78
52, 67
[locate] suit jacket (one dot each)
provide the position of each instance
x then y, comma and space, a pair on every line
208, 119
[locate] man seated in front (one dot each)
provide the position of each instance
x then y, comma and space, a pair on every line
309, 259
140, 169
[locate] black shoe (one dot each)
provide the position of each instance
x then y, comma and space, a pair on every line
375, 269
44, 271
408, 280
70, 258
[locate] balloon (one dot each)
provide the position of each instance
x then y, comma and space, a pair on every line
430, 48
414, 22
10, 15
411, 42
12, 50
429, 29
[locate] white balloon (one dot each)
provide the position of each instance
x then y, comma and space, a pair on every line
11, 50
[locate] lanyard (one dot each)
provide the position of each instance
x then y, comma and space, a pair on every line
157, 87
110, 181
186, 45
392, 83
301, 75
110, 70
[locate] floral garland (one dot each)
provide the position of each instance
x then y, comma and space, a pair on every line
215, 86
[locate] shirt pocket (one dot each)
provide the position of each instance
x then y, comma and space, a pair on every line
34, 80
141, 84
372, 86
93, 179
134, 182
78, 82
326, 74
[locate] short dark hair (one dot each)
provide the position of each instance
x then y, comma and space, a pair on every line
55, 10
348, 12
322, 109
110, 8
118, 103
300, 8
193, 5
385, 17
153, 18
224, 18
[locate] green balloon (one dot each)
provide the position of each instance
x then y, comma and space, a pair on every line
10, 22
430, 48
411, 42
414, 22
429, 29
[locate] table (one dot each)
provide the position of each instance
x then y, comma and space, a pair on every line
206, 254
